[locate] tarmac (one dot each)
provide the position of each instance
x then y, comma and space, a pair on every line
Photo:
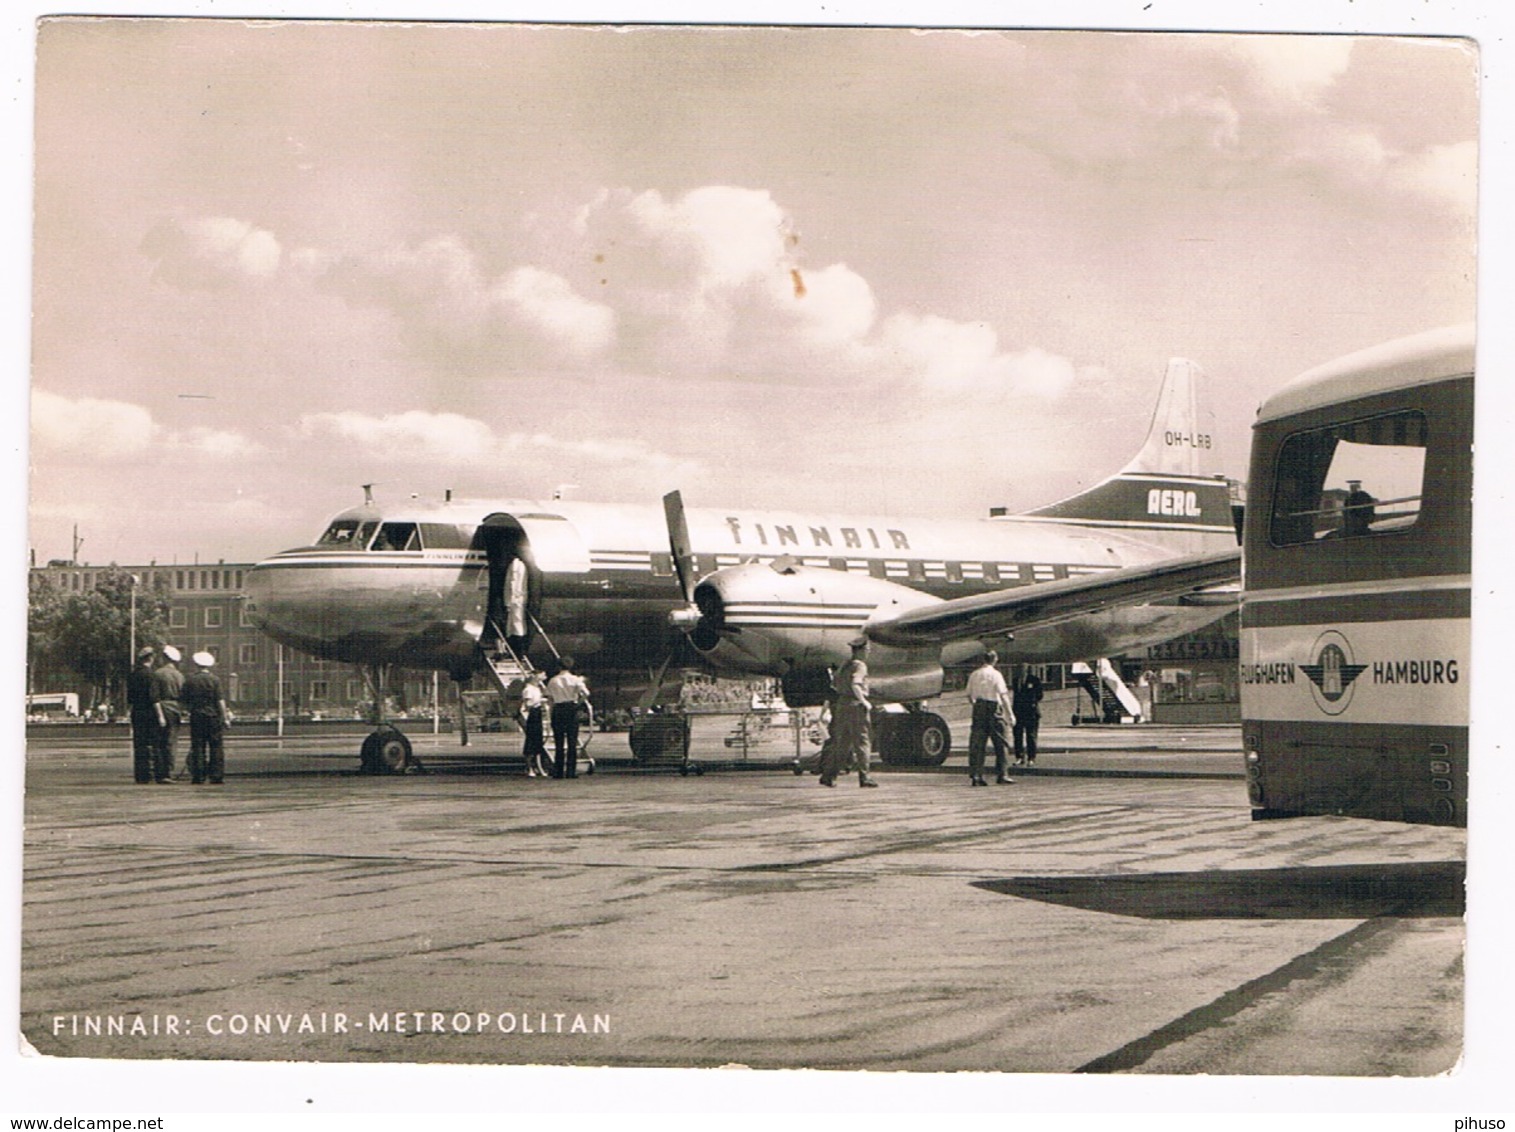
1114, 910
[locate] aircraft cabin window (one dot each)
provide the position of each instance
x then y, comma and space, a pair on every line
365, 533
1349, 480
444, 536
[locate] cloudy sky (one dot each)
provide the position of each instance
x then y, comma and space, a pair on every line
883, 270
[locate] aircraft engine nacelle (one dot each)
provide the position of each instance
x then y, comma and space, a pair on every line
794, 622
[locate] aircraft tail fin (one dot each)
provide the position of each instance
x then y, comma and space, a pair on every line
1169, 493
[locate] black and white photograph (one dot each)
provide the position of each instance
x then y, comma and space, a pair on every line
931, 556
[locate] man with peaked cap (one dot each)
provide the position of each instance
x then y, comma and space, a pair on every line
167, 681
851, 740
144, 715
208, 718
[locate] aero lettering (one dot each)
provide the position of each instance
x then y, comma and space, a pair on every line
1164, 501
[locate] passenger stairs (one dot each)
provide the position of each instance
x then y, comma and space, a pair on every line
507, 670
1113, 699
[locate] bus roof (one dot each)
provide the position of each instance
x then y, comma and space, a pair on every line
1400, 364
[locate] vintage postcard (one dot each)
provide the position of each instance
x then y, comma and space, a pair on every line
537, 531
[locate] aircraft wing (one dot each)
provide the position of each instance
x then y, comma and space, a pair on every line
1049, 603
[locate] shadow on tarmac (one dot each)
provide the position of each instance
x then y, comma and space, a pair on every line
1326, 892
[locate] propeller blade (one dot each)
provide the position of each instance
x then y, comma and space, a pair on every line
678, 543
650, 697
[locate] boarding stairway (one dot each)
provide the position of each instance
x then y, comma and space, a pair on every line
507, 669
1113, 699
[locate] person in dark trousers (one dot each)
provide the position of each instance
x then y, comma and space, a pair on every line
567, 690
208, 717
167, 682
144, 715
989, 697
851, 741
1026, 700
534, 749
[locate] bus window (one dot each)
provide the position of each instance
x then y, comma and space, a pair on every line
1348, 480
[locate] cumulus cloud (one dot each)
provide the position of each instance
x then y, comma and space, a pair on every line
212, 253
1446, 173
708, 285
115, 430
414, 435
452, 439
445, 302
1298, 67
89, 426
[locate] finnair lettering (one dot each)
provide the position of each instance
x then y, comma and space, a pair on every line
1415, 672
1161, 501
1278, 672
819, 536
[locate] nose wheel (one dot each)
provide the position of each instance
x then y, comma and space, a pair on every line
387, 751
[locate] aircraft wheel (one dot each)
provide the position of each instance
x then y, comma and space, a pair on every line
917, 739
932, 740
386, 751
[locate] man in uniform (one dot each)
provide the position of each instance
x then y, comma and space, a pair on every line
567, 690
144, 715
989, 696
1027, 702
208, 717
167, 682
851, 741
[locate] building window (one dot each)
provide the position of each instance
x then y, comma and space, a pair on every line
319, 690
212, 616
247, 654
178, 617
354, 691
243, 620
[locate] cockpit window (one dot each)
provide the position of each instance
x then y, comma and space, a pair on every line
340, 533
397, 536
1349, 480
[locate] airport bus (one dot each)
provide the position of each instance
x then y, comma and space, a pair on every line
1356, 592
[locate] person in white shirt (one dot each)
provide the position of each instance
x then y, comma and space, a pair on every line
991, 706
534, 750
567, 690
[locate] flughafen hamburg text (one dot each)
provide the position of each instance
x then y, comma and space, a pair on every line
509, 1023
1383, 672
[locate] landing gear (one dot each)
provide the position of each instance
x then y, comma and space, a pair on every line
916, 738
387, 751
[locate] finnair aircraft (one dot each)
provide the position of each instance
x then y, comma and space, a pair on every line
498, 586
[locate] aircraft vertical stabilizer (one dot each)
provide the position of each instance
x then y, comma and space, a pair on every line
1168, 494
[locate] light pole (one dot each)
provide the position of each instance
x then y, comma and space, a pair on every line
131, 660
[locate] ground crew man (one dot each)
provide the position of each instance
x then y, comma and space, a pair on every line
991, 704
208, 717
567, 690
144, 715
167, 681
851, 741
